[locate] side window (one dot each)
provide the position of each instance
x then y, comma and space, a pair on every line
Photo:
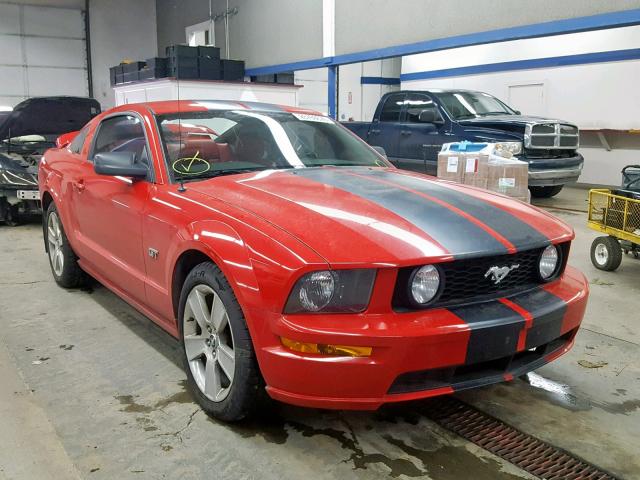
122, 134
78, 142
416, 103
392, 108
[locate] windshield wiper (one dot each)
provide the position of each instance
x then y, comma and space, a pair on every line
227, 171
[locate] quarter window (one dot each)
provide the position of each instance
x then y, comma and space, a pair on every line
78, 142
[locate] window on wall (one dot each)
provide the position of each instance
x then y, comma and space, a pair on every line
392, 108
200, 34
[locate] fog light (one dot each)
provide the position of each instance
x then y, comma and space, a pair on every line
324, 349
548, 262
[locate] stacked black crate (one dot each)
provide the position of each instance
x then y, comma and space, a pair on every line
209, 63
182, 61
156, 68
232, 70
131, 71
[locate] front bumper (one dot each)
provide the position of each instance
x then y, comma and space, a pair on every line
423, 354
549, 172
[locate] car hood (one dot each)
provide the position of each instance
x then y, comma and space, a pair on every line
15, 172
49, 117
384, 215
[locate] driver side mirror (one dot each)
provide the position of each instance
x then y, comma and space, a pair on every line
122, 164
430, 115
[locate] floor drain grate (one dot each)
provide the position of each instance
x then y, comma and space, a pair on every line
528, 453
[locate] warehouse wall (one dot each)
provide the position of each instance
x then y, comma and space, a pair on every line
370, 24
262, 32
120, 29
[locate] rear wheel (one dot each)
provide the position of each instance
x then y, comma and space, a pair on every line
606, 253
64, 262
545, 192
219, 359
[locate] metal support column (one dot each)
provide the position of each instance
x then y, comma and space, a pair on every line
332, 77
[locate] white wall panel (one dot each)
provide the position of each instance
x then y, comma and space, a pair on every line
11, 48
12, 81
53, 22
9, 18
46, 44
55, 52
44, 81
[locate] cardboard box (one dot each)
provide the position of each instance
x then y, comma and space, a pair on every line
476, 168
465, 162
451, 166
508, 176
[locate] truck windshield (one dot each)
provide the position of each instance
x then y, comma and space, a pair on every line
221, 142
461, 105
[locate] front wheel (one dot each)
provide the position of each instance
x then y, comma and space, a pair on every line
606, 253
64, 262
545, 192
219, 359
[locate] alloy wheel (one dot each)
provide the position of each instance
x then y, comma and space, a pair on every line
208, 342
54, 239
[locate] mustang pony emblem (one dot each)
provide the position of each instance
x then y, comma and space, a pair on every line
499, 273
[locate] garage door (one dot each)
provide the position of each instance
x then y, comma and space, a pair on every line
43, 52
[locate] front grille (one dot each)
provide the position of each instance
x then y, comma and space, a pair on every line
467, 281
551, 135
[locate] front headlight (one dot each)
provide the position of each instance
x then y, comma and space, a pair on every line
514, 148
332, 291
424, 284
549, 261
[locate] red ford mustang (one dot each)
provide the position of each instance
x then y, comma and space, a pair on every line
286, 254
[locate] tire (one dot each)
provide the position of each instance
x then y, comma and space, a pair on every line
545, 192
11, 216
606, 253
218, 355
62, 259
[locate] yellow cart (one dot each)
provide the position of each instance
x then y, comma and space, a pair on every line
617, 214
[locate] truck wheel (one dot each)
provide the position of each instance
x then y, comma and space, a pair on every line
219, 359
545, 192
606, 253
63, 260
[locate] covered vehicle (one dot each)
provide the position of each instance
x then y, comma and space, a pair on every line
288, 256
25, 133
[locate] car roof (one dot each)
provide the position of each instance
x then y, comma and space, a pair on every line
442, 90
176, 106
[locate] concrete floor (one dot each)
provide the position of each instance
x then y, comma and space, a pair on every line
89, 388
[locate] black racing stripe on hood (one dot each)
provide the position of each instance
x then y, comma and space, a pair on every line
495, 329
459, 236
519, 233
547, 311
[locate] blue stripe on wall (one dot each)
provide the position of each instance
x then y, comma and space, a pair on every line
379, 81
572, 25
584, 58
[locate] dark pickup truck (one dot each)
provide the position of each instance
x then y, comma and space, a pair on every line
411, 126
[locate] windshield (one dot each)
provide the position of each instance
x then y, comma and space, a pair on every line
461, 105
206, 144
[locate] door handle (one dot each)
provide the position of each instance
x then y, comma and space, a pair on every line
405, 132
79, 185
374, 131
